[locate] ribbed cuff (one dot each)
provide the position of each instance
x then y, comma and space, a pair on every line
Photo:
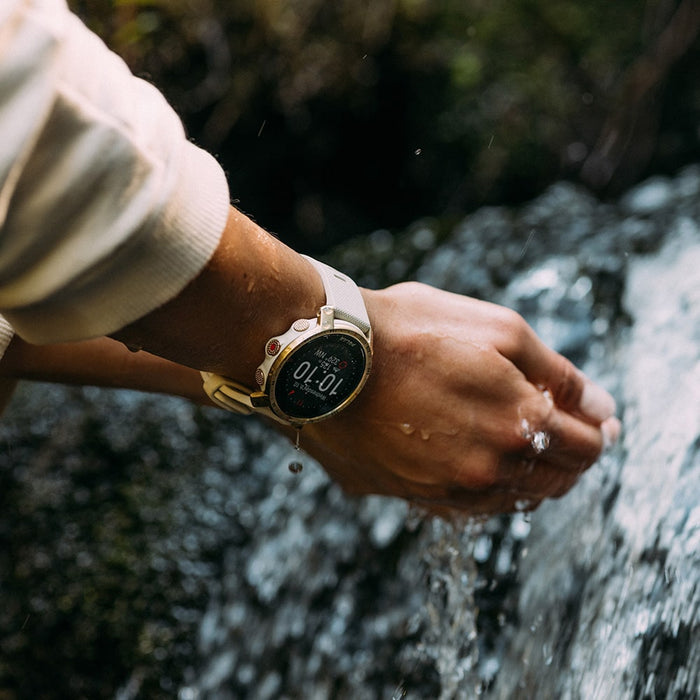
6, 334
152, 270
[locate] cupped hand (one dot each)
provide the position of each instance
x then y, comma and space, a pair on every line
465, 409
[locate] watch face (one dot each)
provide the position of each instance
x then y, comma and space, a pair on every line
320, 376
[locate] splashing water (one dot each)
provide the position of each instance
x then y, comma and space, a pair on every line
450, 636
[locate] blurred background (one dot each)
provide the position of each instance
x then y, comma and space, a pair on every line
334, 119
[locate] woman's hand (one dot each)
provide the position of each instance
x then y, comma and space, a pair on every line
465, 408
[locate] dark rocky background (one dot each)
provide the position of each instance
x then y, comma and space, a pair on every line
151, 549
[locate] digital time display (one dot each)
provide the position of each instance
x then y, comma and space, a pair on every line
320, 375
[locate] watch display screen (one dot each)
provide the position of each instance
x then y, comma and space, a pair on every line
320, 375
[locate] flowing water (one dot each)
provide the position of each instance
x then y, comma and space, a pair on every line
609, 599
181, 536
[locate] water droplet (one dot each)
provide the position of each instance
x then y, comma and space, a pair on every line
482, 548
520, 525
407, 428
295, 467
539, 441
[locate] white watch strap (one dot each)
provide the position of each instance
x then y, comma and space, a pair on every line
343, 295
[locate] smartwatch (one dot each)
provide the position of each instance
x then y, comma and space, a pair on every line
314, 369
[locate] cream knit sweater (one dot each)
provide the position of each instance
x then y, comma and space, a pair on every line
106, 209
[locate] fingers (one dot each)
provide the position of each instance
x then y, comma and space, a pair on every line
522, 485
555, 451
474, 504
440, 500
571, 390
565, 441
611, 429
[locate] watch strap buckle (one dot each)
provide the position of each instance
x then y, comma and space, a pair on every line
230, 395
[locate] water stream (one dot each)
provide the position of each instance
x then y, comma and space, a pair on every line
173, 545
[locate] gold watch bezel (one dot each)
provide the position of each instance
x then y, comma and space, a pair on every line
279, 362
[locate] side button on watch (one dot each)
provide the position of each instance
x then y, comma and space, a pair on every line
314, 369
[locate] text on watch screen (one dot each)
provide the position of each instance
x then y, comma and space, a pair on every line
320, 376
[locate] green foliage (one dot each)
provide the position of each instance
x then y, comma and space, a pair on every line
337, 118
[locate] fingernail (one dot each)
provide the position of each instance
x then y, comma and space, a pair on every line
596, 403
611, 429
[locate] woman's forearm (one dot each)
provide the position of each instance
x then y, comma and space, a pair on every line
254, 287
100, 362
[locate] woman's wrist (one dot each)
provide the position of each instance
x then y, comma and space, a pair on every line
254, 286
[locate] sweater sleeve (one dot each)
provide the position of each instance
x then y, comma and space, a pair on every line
6, 334
106, 209
7, 385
